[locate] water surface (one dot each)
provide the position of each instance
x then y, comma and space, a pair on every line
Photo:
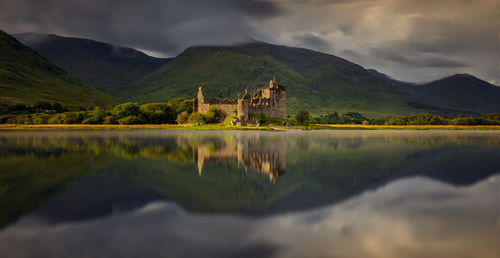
153, 193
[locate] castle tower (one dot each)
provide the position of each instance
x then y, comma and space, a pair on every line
200, 96
273, 84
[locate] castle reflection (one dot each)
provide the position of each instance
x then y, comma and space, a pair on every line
266, 157
259, 153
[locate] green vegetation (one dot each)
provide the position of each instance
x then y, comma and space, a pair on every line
315, 81
27, 78
426, 119
460, 91
180, 111
38, 165
108, 67
302, 117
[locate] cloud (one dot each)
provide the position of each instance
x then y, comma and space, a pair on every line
407, 57
155, 25
421, 214
312, 41
434, 38
428, 38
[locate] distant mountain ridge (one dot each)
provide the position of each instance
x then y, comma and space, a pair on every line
315, 81
27, 78
459, 91
96, 63
318, 82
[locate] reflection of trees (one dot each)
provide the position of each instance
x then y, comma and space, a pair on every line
322, 167
267, 157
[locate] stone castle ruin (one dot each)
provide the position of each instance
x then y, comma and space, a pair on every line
268, 158
268, 100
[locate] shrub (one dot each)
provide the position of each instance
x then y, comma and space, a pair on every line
130, 120
6, 118
302, 117
96, 116
180, 105
196, 118
126, 109
213, 116
40, 119
158, 113
73, 117
110, 120
261, 118
182, 118
56, 119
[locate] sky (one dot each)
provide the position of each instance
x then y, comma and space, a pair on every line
409, 40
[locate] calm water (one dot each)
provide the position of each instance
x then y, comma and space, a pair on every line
249, 194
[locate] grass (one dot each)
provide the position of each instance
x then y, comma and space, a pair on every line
226, 71
141, 126
27, 78
231, 127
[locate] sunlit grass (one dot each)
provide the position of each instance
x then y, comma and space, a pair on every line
272, 127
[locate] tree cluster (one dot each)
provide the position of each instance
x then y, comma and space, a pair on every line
39, 107
126, 113
425, 119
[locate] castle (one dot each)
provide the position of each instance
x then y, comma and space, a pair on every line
268, 100
264, 155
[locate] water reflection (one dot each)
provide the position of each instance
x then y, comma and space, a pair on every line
266, 157
344, 194
413, 217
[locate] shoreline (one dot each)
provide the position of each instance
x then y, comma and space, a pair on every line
261, 128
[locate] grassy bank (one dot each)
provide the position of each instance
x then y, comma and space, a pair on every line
138, 126
230, 127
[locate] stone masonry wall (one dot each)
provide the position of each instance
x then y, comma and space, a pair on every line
271, 101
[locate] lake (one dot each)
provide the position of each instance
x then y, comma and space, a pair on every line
169, 193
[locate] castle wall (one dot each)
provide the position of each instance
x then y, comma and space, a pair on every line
271, 101
273, 105
226, 108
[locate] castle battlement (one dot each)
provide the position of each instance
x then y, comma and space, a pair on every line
269, 100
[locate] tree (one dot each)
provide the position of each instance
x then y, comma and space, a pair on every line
158, 113
196, 118
213, 116
494, 116
302, 117
261, 117
126, 109
180, 105
96, 116
182, 118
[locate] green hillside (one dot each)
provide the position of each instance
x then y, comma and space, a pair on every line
106, 66
460, 91
26, 77
315, 81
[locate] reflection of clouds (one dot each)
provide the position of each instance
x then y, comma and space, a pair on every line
460, 222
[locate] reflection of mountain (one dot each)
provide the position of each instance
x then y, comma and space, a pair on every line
97, 196
268, 159
322, 168
414, 217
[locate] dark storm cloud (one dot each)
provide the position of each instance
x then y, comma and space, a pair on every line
407, 56
410, 40
165, 26
312, 41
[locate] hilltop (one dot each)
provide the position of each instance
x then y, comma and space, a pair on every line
26, 77
106, 66
315, 81
459, 91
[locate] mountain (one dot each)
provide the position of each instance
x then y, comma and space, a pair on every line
26, 77
389, 79
103, 65
318, 82
460, 91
